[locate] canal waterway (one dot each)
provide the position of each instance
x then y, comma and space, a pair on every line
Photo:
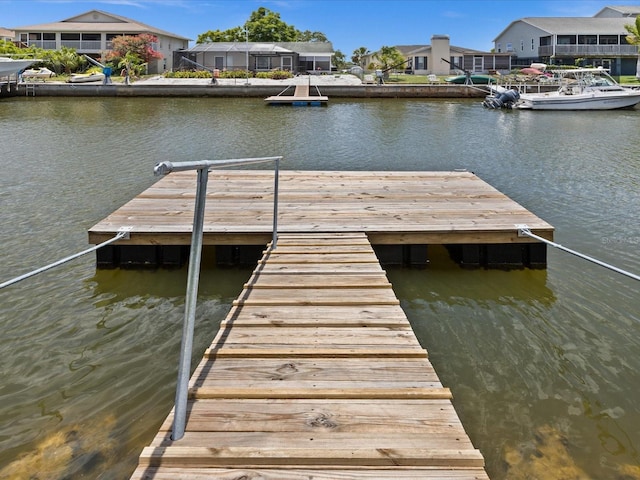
544, 365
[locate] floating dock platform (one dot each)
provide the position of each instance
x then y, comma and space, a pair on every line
402, 213
301, 98
315, 373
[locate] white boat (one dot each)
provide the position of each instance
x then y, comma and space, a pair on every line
41, 73
581, 89
86, 77
10, 66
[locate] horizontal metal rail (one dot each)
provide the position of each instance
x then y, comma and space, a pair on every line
523, 230
202, 167
122, 233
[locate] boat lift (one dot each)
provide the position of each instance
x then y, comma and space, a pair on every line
105, 70
213, 76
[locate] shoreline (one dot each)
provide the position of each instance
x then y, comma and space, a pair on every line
346, 86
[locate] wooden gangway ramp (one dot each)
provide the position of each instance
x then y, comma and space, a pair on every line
316, 374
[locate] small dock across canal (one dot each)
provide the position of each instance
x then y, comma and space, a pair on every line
316, 373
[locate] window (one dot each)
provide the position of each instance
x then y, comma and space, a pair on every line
263, 63
545, 41
509, 47
587, 39
70, 36
49, 36
522, 45
608, 39
566, 39
421, 63
35, 36
533, 44
91, 37
498, 48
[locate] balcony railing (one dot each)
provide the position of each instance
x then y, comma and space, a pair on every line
588, 50
44, 44
80, 45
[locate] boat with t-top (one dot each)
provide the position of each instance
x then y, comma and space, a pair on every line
10, 66
580, 89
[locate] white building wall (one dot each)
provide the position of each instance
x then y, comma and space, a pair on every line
518, 39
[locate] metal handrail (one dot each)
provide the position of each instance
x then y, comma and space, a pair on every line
203, 167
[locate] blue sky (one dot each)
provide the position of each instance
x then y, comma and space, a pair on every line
349, 24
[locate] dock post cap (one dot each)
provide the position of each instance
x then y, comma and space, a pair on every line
163, 168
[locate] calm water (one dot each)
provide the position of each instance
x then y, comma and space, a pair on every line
544, 365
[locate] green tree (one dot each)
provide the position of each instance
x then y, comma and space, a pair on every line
236, 34
339, 60
359, 56
137, 49
387, 58
309, 36
634, 39
267, 26
263, 25
66, 60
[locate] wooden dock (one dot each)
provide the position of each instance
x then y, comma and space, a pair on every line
301, 97
316, 373
475, 221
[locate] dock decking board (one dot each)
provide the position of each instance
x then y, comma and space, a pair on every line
331, 387
391, 207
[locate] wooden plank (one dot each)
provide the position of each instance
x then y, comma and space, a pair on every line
315, 315
335, 351
175, 456
318, 280
319, 336
324, 473
321, 372
322, 393
320, 436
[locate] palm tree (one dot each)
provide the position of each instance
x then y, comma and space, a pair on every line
359, 56
634, 39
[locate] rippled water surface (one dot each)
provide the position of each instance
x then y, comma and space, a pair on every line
543, 364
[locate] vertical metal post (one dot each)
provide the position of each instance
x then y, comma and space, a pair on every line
274, 242
184, 369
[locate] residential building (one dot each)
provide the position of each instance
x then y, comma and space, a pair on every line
597, 41
442, 58
92, 33
296, 57
7, 35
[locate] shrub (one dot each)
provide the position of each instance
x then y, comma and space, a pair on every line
188, 74
275, 74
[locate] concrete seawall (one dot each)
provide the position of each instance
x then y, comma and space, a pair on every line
209, 90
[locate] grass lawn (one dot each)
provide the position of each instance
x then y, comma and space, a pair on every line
628, 80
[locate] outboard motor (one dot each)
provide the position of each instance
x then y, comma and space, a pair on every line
505, 99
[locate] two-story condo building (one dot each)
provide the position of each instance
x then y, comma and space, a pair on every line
91, 34
598, 41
